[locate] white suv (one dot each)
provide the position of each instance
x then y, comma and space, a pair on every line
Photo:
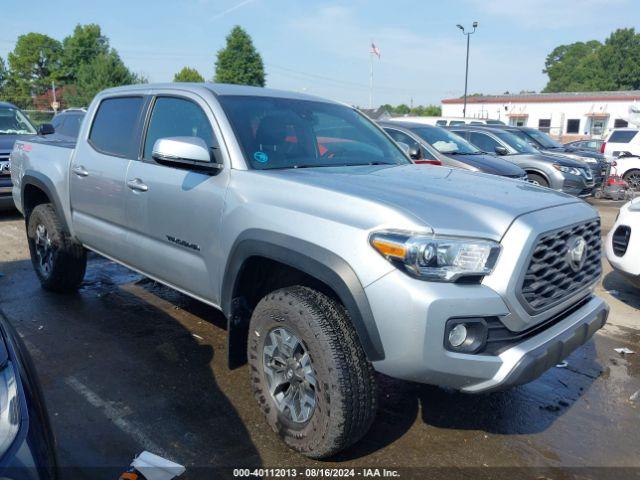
623, 145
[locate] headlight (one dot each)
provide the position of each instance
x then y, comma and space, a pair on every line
9, 407
563, 169
440, 259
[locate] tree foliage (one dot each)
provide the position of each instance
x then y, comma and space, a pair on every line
239, 62
592, 66
188, 74
80, 48
419, 110
103, 71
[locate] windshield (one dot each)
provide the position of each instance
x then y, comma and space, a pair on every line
445, 141
288, 133
14, 122
543, 139
518, 142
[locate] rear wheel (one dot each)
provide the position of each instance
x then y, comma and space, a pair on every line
537, 179
309, 373
632, 177
59, 261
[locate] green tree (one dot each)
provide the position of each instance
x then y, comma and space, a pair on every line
573, 67
619, 61
3, 75
104, 71
188, 74
80, 48
239, 62
33, 65
402, 109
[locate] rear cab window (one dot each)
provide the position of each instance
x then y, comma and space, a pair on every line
116, 126
622, 136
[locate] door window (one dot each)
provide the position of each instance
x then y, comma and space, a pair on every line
177, 117
114, 130
399, 136
484, 142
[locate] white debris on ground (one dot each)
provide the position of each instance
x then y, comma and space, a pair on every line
624, 351
154, 467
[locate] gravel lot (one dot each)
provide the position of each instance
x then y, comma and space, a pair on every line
127, 365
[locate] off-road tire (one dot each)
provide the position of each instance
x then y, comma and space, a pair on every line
346, 398
68, 257
539, 179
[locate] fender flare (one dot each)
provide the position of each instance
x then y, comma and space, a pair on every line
39, 180
314, 261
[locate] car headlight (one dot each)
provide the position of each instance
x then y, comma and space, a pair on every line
9, 407
440, 259
563, 169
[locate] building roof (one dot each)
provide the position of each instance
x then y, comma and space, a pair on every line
629, 95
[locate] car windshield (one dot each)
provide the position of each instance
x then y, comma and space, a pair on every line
543, 139
519, 143
445, 141
278, 133
14, 122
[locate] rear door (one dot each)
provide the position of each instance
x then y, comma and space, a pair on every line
98, 171
173, 213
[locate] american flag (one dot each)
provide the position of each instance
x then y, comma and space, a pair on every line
375, 50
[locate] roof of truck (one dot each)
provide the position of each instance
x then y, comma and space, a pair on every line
220, 89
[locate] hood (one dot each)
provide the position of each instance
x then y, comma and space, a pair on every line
450, 201
562, 159
490, 164
576, 151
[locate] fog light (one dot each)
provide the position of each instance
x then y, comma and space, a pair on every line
458, 335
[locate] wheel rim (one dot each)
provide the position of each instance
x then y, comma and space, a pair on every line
534, 182
633, 179
289, 374
44, 251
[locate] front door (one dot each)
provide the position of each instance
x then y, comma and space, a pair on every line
98, 172
173, 214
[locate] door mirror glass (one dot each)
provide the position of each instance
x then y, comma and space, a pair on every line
500, 150
184, 152
46, 129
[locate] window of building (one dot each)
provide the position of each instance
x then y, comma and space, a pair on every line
620, 123
573, 125
544, 125
597, 126
518, 121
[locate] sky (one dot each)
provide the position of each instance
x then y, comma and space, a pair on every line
322, 47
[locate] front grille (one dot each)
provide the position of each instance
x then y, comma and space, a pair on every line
620, 240
4, 164
550, 277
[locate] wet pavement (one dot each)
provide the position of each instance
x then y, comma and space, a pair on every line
127, 364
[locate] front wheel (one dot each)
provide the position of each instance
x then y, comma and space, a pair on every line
632, 177
536, 179
59, 260
309, 373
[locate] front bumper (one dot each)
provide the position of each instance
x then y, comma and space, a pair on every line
6, 200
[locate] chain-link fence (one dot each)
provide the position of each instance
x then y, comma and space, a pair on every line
38, 117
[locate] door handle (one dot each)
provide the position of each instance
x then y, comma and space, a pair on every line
137, 185
80, 171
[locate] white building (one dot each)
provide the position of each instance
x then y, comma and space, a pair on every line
566, 115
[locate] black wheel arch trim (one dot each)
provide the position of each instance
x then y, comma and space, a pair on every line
312, 260
40, 181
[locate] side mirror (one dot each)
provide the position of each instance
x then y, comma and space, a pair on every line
624, 154
191, 153
46, 129
415, 153
404, 147
500, 150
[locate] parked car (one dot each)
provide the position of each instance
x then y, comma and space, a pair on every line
13, 125
628, 168
552, 171
591, 145
435, 144
596, 162
66, 124
27, 447
447, 121
623, 242
331, 254
622, 141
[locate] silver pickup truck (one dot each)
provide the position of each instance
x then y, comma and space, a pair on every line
330, 254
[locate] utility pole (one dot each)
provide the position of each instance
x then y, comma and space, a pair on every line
466, 72
371, 80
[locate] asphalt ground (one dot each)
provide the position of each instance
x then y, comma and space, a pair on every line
128, 365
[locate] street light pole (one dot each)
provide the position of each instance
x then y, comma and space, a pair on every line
466, 71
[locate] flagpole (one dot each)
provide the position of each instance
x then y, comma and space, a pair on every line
371, 80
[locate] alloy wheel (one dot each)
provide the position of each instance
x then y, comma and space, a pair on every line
44, 250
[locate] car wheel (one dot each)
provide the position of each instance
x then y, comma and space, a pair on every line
59, 261
309, 373
536, 179
632, 177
